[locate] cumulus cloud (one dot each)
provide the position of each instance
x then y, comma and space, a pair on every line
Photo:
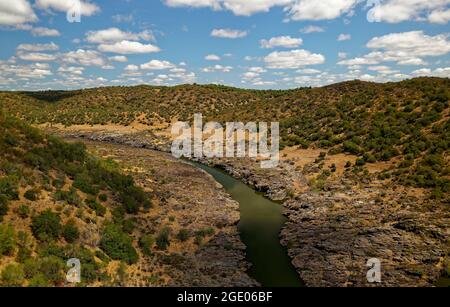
320, 10
114, 35
238, 7
293, 59
83, 57
344, 37
38, 47
312, 29
157, 65
212, 57
220, 68
16, 12
118, 58
77, 70
25, 72
281, 41
87, 8
394, 11
128, 47
36, 56
42, 31
228, 33
406, 48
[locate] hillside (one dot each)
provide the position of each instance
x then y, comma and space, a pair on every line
405, 123
58, 201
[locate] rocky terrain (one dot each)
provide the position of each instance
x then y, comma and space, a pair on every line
335, 228
188, 199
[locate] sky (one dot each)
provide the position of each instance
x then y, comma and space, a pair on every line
261, 44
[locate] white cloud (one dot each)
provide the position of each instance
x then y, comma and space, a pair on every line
342, 55
312, 29
344, 37
439, 16
212, 57
308, 71
238, 7
42, 31
281, 41
224, 69
293, 59
36, 56
25, 72
228, 33
443, 72
132, 67
407, 48
394, 11
38, 47
118, 58
71, 70
114, 35
128, 47
257, 69
16, 12
320, 10
157, 65
87, 8
84, 58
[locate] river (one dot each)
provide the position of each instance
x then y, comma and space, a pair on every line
260, 226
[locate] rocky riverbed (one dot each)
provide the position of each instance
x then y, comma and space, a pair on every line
334, 230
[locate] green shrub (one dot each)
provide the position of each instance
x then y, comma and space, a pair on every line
32, 194
71, 197
12, 276
70, 231
46, 226
103, 197
84, 182
183, 235
146, 244
7, 240
9, 187
3, 206
118, 245
39, 281
94, 205
162, 240
23, 211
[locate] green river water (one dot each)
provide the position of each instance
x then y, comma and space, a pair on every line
260, 225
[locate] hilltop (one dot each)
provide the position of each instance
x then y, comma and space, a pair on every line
405, 123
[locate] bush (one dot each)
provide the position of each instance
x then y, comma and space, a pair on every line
12, 276
94, 205
70, 232
23, 211
39, 281
32, 194
103, 197
9, 187
7, 240
118, 245
3, 206
84, 183
162, 240
71, 197
183, 235
46, 226
146, 244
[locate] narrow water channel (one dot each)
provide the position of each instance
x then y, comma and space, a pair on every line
260, 225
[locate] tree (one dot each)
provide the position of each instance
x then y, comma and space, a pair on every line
46, 226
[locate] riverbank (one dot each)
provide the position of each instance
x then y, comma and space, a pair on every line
334, 228
188, 201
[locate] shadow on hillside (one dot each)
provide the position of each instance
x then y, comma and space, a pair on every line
51, 96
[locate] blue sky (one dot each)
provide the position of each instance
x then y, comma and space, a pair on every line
252, 44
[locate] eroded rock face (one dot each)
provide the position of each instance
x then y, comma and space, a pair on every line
331, 234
